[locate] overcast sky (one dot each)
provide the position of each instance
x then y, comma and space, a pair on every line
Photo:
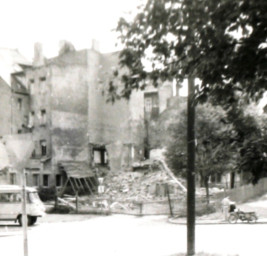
24, 22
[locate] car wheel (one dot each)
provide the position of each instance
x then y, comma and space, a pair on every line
28, 220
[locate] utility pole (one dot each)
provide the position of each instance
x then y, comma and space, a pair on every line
191, 168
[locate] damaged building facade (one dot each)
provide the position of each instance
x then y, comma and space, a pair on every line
62, 103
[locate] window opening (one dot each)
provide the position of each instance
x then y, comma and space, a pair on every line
45, 180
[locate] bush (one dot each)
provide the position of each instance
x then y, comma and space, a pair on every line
206, 209
61, 209
47, 194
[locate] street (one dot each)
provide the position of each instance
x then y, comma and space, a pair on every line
129, 236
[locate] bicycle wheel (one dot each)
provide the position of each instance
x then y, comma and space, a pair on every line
252, 219
232, 218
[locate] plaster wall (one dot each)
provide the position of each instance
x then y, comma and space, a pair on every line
5, 108
69, 113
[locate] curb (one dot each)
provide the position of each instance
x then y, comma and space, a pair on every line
181, 221
5, 234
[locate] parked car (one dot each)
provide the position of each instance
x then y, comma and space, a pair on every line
11, 204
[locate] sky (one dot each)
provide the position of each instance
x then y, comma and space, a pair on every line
24, 22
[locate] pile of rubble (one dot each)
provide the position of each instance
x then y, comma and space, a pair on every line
145, 185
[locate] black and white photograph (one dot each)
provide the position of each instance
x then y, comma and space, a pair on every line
133, 128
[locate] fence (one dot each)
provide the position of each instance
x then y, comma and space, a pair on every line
243, 193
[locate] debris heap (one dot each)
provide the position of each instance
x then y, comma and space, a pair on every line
139, 186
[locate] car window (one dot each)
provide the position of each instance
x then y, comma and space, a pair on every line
10, 197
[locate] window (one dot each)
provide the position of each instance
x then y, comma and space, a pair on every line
148, 104
12, 178
35, 151
19, 131
43, 147
31, 86
27, 179
43, 117
100, 156
58, 180
151, 102
45, 180
42, 83
19, 103
35, 180
31, 119
26, 120
10, 197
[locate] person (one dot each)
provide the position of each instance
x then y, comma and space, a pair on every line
225, 207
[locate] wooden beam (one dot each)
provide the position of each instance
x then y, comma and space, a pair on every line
79, 181
91, 191
73, 187
63, 188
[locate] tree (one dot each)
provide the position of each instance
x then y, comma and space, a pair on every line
215, 151
185, 38
222, 42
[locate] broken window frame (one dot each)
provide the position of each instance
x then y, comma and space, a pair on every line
103, 160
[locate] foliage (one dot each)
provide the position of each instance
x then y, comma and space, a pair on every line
221, 42
47, 194
215, 151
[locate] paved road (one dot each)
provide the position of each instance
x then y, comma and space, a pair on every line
131, 236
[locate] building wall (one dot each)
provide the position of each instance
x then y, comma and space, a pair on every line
5, 108
20, 106
108, 123
69, 104
38, 81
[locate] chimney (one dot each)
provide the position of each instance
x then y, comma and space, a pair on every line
65, 46
95, 45
38, 59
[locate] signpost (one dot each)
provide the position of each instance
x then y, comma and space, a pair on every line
22, 149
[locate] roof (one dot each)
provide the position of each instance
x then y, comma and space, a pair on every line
76, 169
11, 61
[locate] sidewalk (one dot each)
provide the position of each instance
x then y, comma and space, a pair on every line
207, 221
